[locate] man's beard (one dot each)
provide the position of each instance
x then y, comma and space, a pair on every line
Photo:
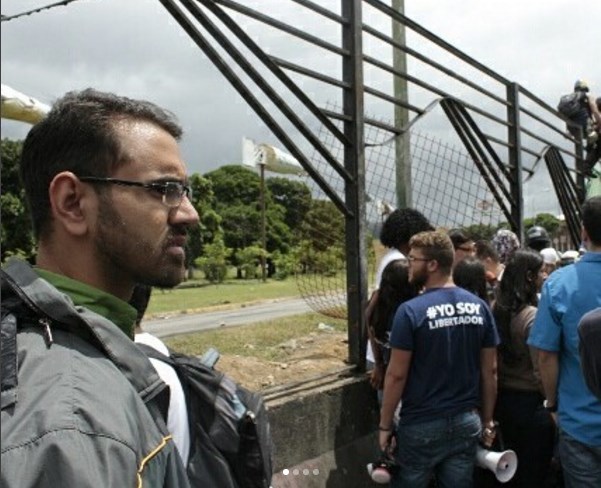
418, 280
126, 254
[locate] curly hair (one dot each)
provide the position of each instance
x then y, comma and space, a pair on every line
401, 225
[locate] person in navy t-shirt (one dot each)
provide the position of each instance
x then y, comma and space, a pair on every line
443, 367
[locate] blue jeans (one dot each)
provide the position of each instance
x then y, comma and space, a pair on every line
445, 447
581, 464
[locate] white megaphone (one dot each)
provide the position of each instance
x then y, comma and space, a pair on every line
502, 464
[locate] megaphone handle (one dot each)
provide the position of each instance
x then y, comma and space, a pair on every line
499, 436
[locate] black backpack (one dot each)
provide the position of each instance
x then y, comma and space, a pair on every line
574, 107
570, 105
230, 436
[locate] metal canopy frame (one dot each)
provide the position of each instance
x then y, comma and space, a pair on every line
524, 120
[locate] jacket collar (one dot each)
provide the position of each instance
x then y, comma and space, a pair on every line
46, 300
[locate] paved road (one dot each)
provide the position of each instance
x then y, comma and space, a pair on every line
184, 324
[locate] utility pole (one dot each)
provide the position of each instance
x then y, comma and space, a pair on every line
263, 225
401, 114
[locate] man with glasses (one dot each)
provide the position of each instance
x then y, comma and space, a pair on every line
463, 245
110, 204
443, 367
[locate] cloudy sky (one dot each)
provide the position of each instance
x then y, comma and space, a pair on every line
135, 48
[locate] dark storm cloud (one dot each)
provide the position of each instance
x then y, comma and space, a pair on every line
135, 48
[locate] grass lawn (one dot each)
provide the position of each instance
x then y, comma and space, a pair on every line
205, 295
262, 340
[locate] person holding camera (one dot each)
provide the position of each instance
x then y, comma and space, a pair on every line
583, 112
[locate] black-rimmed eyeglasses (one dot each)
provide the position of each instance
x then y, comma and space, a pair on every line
172, 191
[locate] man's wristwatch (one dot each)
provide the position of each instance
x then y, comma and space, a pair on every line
550, 408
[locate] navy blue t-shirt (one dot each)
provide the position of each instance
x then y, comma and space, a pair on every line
445, 328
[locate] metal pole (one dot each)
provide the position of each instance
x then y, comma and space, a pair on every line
579, 165
515, 158
263, 224
354, 162
401, 114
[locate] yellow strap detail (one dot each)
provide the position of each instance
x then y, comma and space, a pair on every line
153, 453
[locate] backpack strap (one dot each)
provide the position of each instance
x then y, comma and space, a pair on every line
8, 359
152, 353
209, 358
163, 401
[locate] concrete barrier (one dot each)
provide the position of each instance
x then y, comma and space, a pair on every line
324, 431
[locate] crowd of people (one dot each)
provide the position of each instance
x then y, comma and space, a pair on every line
454, 365
482, 348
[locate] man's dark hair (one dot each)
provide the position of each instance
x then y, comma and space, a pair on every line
394, 290
80, 135
139, 300
401, 225
484, 249
591, 219
470, 274
458, 237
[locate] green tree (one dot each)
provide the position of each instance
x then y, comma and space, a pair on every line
234, 185
16, 230
249, 259
546, 220
321, 249
210, 221
285, 264
323, 226
480, 231
279, 234
241, 225
213, 262
236, 196
293, 196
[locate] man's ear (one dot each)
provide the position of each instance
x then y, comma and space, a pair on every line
69, 202
432, 265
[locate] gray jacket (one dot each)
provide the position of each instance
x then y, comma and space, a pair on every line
80, 402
